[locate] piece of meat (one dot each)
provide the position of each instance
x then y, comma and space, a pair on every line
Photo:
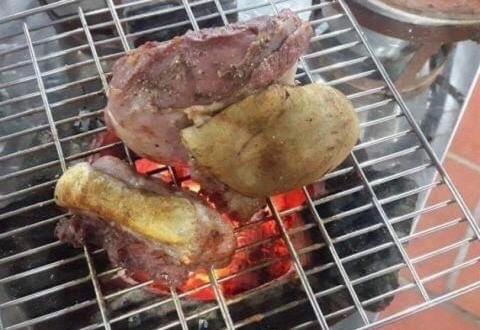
143, 224
123, 249
161, 88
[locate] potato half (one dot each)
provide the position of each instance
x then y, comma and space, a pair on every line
277, 140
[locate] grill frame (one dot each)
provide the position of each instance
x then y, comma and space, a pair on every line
358, 166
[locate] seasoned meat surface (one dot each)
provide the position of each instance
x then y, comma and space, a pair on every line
159, 88
143, 224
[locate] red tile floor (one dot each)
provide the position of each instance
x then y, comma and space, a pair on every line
463, 164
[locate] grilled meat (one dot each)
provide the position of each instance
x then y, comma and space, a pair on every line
160, 88
259, 136
143, 225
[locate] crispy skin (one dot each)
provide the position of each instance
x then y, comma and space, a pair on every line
276, 140
173, 224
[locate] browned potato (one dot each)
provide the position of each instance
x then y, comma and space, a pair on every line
276, 140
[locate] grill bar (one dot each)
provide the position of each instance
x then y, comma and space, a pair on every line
35, 10
178, 307
348, 283
367, 92
223, 304
363, 108
461, 255
371, 300
350, 78
432, 230
30, 252
98, 65
411, 120
339, 65
58, 146
220, 300
426, 305
323, 293
97, 289
380, 297
390, 228
40, 269
331, 50
442, 250
298, 267
50, 316
381, 120
191, 317
332, 34
110, 56
43, 94
91, 45
31, 226
89, 79
370, 162
373, 105
430, 208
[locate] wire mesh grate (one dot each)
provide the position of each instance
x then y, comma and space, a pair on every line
360, 223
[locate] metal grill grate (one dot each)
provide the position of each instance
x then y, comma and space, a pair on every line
51, 97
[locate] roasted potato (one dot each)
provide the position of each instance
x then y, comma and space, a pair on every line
276, 140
